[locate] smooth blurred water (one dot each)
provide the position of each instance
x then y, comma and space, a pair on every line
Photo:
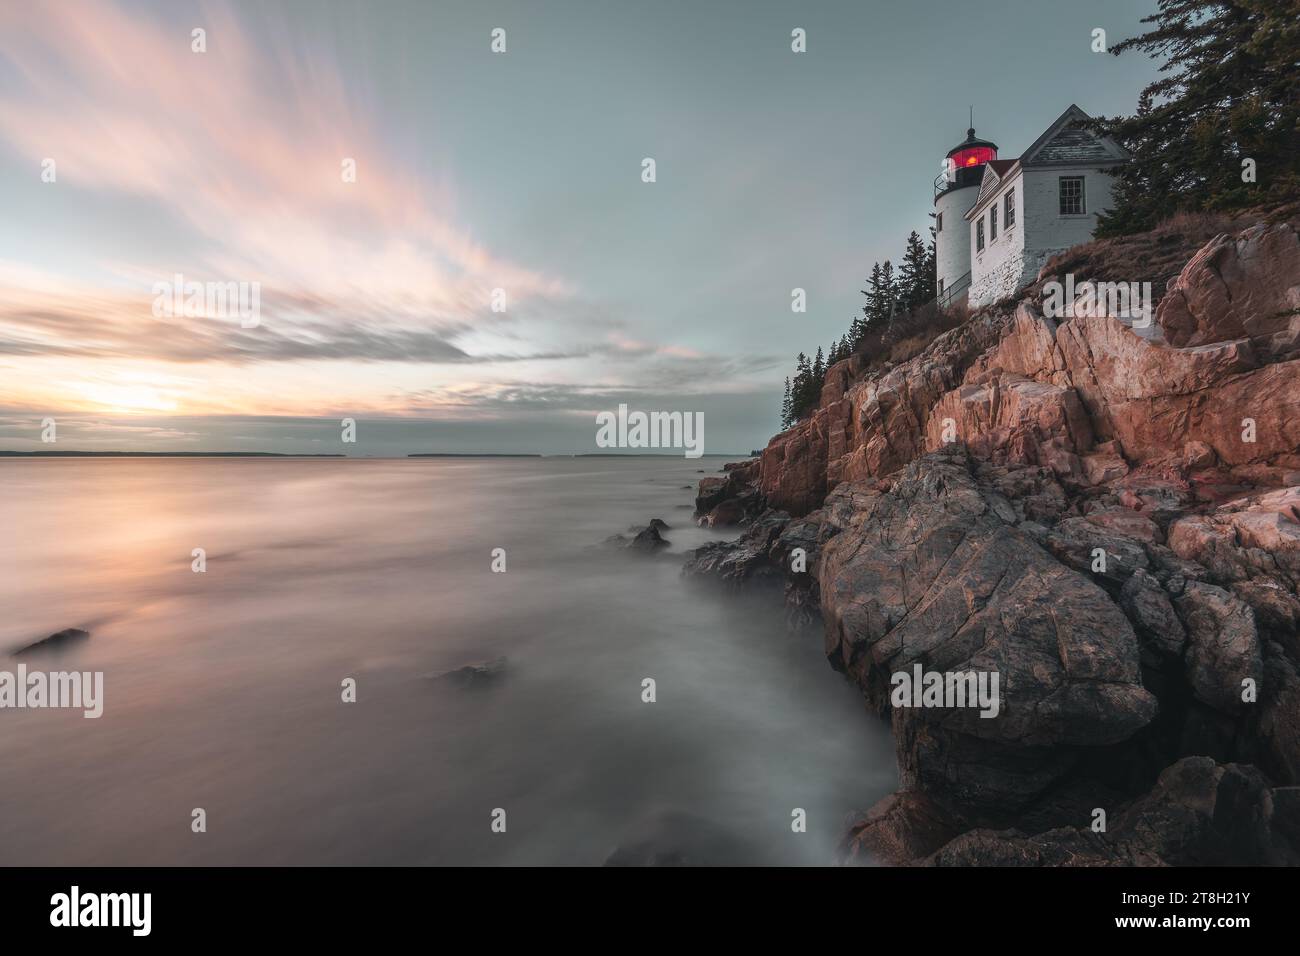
222, 689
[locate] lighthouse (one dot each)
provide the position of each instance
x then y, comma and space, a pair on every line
955, 192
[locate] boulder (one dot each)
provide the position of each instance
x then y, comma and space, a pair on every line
1222, 645
1200, 813
934, 575
1242, 286
729, 512
743, 563
901, 827
712, 491
1148, 606
646, 541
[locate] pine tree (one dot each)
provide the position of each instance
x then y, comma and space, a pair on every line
914, 276
888, 300
1230, 92
800, 388
886, 317
871, 311
857, 331
889, 289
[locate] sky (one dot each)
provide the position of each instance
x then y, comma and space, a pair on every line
477, 171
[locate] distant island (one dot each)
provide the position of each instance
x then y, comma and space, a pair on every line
274, 454
156, 454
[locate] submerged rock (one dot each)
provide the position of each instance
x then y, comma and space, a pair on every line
58, 641
678, 838
648, 540
474, 675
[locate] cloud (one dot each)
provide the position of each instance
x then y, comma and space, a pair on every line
500, 399
243, 146
89, 432
225, 167
115, 326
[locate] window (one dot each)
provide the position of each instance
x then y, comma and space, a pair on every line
993, 223
1009, 213
938, 223
1072, 196
979, 235
941, 287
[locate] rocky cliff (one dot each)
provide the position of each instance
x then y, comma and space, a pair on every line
1104, 512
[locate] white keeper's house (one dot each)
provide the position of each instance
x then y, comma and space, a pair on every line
997, 221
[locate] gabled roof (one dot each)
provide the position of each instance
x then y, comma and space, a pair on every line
1064, 143
995, 173
1067, 143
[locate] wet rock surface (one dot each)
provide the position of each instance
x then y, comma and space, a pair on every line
647, 540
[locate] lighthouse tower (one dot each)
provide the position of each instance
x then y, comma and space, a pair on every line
955, 191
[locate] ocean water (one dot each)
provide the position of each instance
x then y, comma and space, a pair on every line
222, 689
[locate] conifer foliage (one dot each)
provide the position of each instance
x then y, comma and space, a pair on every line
1220, 128
892, 298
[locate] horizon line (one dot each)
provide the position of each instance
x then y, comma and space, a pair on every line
397, 457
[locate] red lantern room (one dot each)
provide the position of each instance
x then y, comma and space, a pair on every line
966, 161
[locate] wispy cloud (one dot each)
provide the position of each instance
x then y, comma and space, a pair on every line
375, 295
245, 149
50, 316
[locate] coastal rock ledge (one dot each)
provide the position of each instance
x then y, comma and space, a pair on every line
1114, 534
